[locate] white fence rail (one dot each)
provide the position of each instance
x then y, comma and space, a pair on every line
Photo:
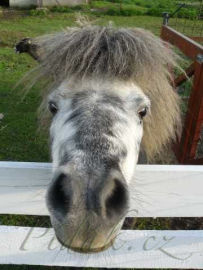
156, 191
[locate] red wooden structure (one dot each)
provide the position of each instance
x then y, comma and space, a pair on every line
186, 147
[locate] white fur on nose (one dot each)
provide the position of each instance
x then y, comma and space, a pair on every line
131, 137
62, 133
127, 133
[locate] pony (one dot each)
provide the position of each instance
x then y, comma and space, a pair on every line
109, 91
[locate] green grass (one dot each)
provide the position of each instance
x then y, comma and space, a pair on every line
18, 137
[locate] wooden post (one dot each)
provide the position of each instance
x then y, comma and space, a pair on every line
194, 117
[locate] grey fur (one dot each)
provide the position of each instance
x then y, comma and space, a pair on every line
123, 54
101, 51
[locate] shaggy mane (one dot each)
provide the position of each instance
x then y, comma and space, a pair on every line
127, 54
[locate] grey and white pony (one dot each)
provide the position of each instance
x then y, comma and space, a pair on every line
110, 96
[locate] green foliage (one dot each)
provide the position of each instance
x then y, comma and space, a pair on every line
125, 8
184, 13
157, 11
124, 11
117, 9
38, 12
58, 9
61, 9
188, 13
145, 7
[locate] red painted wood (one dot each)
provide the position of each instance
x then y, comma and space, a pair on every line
188, 46
194, 118
198, 161
186, 147
198, 39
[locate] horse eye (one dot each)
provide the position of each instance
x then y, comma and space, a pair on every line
53, 107
143, 112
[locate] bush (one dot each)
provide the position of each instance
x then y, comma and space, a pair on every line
128, 8
161, 5
124, 11
77, 8
60, 9
112, 12
38, 12
148, 5
158, 12
132, 12
188, 13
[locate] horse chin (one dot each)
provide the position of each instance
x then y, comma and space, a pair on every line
91, 249
88, 237
87, 241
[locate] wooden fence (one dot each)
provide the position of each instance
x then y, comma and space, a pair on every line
156, 191
186, 147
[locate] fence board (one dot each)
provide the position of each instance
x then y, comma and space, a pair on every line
188, 46
156, 190
140, 249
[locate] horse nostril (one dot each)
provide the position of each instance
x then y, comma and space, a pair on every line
59, 194
117, 201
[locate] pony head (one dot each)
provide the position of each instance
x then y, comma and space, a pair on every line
110, 95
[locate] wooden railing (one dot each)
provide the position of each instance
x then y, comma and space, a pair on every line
186, 146
155, 191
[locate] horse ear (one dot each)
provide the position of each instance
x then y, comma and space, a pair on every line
27, 45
